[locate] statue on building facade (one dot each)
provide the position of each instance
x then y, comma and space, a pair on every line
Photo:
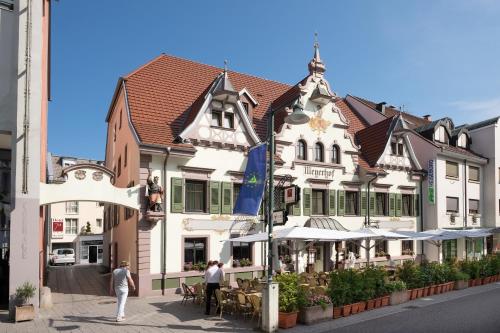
155, 193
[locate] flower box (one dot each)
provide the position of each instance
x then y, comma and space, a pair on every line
461, 284
287, 319
337, 312
24, 312
312, 314
346, 310
399, 297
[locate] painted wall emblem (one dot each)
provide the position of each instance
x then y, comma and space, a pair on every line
318, 124
80, 174
97, 176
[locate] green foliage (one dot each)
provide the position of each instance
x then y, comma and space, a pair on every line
25, 292
461, 276
289, 296
409, 273
88, 228
394, 286
245, 262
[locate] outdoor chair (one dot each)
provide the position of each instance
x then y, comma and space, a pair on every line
223, 302
245, 285
225, 284
319, 291
244, 308
187, 294
255, 301
258, 287
239, 282
199, 292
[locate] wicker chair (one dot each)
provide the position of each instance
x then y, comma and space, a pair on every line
223, 302
256, 303
187, 294
244, 308
245, 285
239, 282
199, 292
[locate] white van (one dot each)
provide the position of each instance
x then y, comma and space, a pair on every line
63, 256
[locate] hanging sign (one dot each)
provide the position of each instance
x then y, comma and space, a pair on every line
57, 228
431, 194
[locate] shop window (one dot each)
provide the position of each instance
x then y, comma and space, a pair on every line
451, 205
473, 174
302, 150
318, 202
195, 251
71, 207
473, 206
196, 196
407, 248
354, 247
381, 204
241, 252
380, 248
449, 249
351, 203
71, 226
451, 169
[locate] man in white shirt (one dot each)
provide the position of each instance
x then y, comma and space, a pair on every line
213, 275
120, 283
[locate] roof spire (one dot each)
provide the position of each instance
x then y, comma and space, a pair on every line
316, 66
225, 66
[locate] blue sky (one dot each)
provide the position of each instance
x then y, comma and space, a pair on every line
434, 57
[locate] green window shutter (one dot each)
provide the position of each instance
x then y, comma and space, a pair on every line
227, 197
307, 197
372, 204
416, 205
364, 203
392, 204
399, 203
214, 197
331, 206
177, 195
341, 203
296, 209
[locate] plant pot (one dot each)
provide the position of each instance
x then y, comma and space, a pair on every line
337, 312
24, 312
346, 310
426, 291
355, 308
420, 292
399, 297
287, 319
443, 287
431, 290
484, 280
378, 302
370, 304
362, 306
437, 289
477, 282
451, 285
414, 293
461, 284
313, 314
386, 300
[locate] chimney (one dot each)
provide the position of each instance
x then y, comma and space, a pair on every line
381, 107
427, 117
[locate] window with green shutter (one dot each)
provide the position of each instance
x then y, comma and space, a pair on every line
227, 207
364, 203
296, 209
398, 204
416, 205
331, 204
214, 197
177, 195
392, 204
306, 197
341, 202
372, 204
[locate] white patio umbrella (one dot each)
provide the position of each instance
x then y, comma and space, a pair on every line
376, 234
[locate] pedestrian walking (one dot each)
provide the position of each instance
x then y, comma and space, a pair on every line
212, 279
120, 282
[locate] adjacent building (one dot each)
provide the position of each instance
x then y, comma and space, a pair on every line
191, 126
24, 95
74, 224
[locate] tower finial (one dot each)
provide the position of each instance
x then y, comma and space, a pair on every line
225, 65
316, 44
316, 66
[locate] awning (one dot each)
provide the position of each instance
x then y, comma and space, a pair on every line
324, 223
375, 233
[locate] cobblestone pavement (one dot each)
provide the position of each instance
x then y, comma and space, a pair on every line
84, 308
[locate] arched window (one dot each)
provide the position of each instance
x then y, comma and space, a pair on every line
336, 154
302, 150
318, 152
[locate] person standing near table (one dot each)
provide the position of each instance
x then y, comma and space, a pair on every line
213, 276
120, 282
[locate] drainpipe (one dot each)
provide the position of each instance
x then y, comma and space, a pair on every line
164, 224
27, 93
465, 205
421, 211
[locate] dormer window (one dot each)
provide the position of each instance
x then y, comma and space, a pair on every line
245, 106
462, 141
440, 135
397, 148
223, 118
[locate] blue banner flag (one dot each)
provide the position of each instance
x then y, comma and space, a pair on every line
252, 189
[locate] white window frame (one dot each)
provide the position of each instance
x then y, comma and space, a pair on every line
72, 207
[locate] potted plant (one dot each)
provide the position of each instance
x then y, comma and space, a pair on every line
461, 280
236, 263
188, 266
288, 300
337, 292
315, 308
398, 292
24, 310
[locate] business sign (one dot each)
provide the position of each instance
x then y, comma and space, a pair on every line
57, 228
278, 217
319, 172
292, 194
431, 194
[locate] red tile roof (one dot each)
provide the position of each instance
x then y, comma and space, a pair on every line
373, 140
161, 92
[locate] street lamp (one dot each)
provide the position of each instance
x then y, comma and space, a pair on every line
270, 296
